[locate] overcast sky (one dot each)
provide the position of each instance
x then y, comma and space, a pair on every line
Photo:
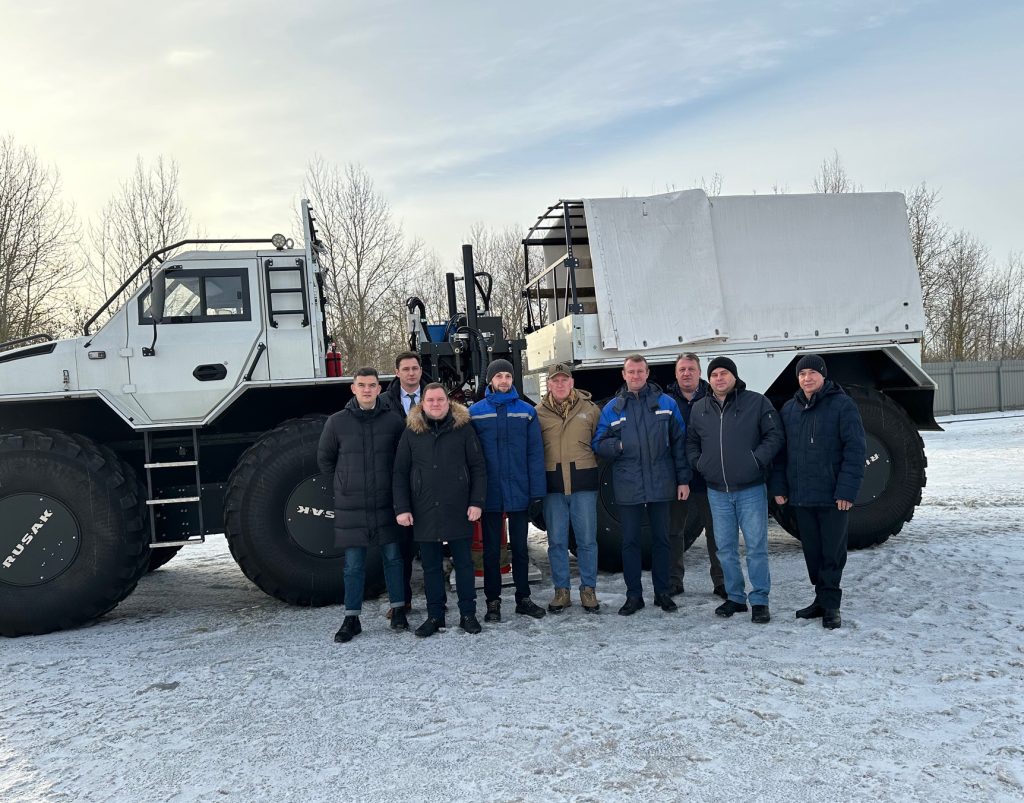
490, 111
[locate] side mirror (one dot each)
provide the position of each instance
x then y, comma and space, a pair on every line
158, 296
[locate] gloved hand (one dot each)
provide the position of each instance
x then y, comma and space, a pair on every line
536, 513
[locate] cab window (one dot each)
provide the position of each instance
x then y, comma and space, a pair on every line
197, 296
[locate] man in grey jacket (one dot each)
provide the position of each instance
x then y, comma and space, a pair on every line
732, 437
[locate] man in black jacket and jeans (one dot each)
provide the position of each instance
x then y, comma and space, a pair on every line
733, 436
819, 475
358, 446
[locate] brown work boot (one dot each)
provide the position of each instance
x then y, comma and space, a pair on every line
560, 601
588, 599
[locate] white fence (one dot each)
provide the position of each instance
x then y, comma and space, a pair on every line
977, 387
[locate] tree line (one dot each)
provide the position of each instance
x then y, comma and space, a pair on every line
974, 307
55, 270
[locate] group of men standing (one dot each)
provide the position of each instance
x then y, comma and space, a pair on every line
413, 468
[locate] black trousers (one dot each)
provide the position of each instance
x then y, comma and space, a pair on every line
408, 553
823, 538
689, 518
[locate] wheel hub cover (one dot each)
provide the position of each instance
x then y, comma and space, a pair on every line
309, 516
39, 540
877, 471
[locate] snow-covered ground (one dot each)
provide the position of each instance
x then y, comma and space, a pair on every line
200, 687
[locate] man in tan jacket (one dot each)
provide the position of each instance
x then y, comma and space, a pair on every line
568, 420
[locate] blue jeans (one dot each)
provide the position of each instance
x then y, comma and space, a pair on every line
518, 523
431, 556
581, 509
745, 510
631, 519
355, 576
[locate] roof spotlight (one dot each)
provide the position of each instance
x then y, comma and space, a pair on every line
279, 241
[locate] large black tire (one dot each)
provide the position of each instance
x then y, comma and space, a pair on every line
156, 557
288, 553
894, 475
86, 545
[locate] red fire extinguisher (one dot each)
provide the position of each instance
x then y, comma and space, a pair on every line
333, 358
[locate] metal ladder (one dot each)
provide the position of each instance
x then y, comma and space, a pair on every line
299, 269
152, 502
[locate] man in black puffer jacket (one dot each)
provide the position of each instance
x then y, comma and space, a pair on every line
358, 446
819, 474
733, 435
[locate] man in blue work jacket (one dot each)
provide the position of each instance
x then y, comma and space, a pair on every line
642, 432
510, 435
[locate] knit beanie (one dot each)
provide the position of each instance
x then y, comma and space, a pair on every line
497, 367
722, 362
812, 361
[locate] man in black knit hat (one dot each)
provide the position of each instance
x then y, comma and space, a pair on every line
819, 475
733, 435
510, 436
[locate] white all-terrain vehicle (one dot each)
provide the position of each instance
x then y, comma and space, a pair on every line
197, 406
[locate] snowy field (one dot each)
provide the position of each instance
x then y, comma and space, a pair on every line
201, 688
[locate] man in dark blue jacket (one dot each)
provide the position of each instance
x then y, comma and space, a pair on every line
693, 516
734, 433
819, 474
510, 435
642, 432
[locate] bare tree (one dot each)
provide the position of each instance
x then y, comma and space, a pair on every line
959, 316
929, 238
833, 177
1005, 331
38, 238
146, 213
428, 285
368, 263
499, 253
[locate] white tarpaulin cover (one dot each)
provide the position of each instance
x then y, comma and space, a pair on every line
650, 256
682, 268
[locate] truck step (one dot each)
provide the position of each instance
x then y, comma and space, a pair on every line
194, 539
172, 501
175, 464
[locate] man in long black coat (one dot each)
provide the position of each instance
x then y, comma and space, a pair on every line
404, 393
819, 475
358, 446
440, 485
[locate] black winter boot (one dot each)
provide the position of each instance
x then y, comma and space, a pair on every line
760, 615
399, 621
812, 611
493, 611
831, 619
429, 627
631, 606
728, 608
527, 607
350, 628
665, 602
470, 624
